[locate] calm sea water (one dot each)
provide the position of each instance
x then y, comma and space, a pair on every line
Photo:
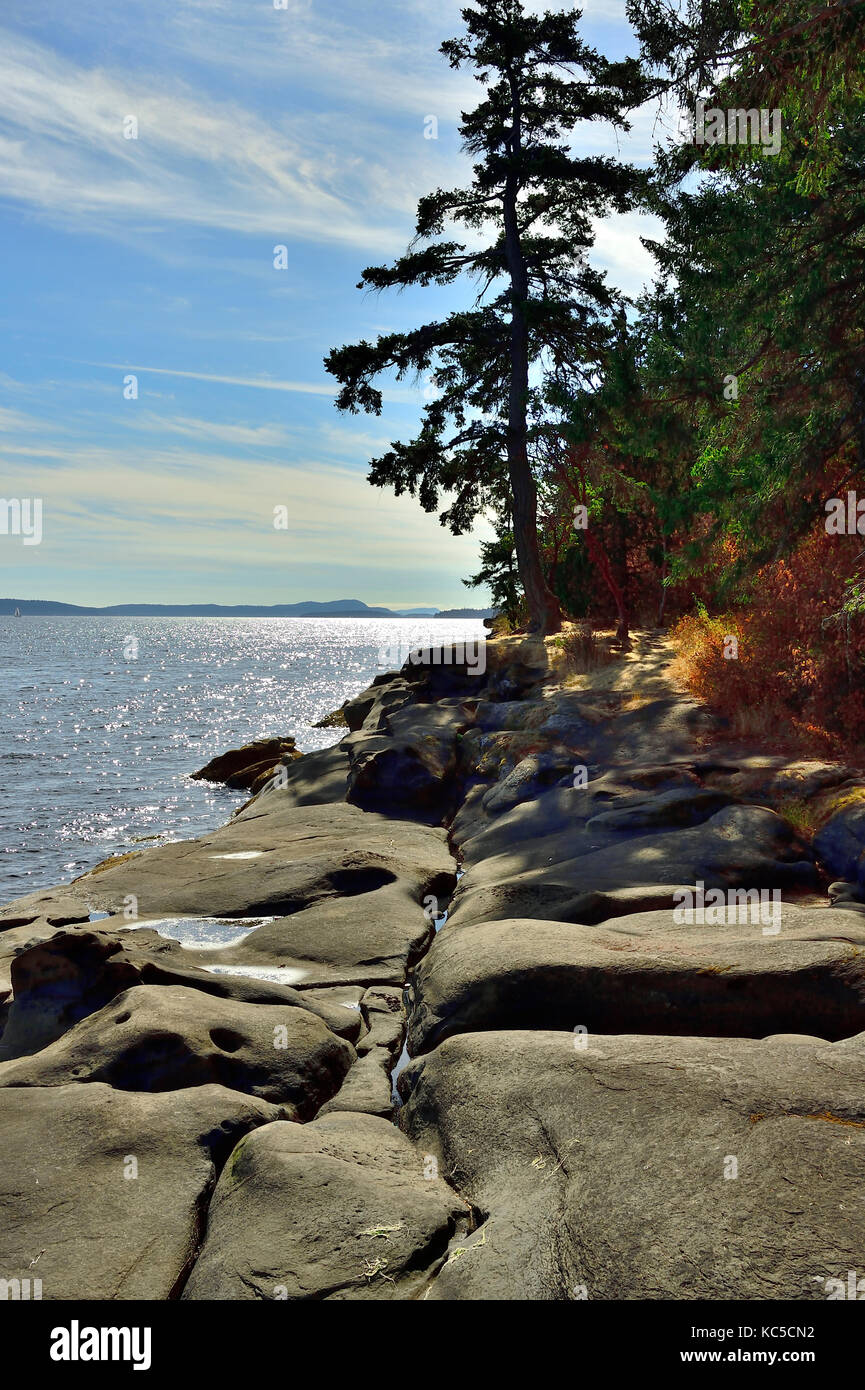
97, 743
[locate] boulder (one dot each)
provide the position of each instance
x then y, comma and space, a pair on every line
168, 1038
646, 1168
840, 842
369, 710
409, 774
336, 1209
740, 975
243, 767
103, 1193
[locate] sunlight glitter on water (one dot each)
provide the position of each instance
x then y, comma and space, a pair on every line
96, 750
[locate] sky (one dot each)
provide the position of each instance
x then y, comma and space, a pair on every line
153, 257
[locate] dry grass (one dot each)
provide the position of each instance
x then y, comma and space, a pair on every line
579, 650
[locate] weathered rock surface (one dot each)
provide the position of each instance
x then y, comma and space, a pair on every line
103, 1192
590, 1161
316, 779
167, 1038
373, 938
275, 858
336, 1209
740, 845
75, 972
601, 1172
243, 767
840, 843
743, 975
368, 1088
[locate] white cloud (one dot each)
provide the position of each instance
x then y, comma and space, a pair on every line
181, 506
196, 160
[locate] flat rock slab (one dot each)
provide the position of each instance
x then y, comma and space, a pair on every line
336, 1209
72, 1211
649, 973
746, 846
368, 939
158, 1038
279, 860
602, 1171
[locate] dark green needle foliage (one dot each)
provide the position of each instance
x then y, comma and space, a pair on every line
534, 307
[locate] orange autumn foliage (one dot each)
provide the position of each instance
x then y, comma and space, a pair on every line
799, 679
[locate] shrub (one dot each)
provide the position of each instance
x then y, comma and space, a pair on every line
800, 677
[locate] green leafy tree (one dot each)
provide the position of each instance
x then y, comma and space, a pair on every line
538, 303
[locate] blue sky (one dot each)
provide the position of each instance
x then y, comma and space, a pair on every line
257, 127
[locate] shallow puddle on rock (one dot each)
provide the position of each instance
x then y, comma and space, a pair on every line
206, 933
275, 974
240, 854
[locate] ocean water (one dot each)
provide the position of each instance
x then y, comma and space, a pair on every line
103, 719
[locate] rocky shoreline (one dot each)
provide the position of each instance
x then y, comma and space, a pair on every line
628, 1074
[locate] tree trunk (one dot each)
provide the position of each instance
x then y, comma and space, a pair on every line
544, 613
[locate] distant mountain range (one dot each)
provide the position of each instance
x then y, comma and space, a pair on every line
336, 608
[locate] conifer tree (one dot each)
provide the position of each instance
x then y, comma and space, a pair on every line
538, 305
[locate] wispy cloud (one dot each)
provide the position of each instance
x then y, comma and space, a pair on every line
197, 159
307, 388
182, 505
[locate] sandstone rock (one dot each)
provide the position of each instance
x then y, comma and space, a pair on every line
531, 775
242, 767
76, 972
840, 843
273, 860
369, 710
372, 938
167, 1038
746, 846
336, 1209
682, 807
410, 773
107, 1189
607, 1173
316, 779
368, 1088
648, 973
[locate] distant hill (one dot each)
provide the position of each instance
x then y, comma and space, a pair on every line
336, 608
467, 613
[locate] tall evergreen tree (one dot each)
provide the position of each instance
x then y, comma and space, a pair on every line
539, 304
